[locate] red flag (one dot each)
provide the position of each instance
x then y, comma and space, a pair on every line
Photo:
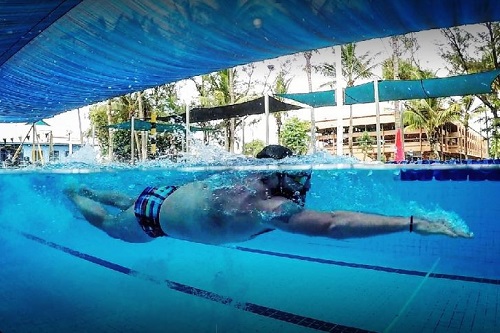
400, 154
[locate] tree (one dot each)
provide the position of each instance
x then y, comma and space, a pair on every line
295, 135
430, 115
162, 99
466, 112
354, 68
365, 142
224, 88
495, 148
398, 68
253, 147
407, 70
467, 52
308, 69
281, 85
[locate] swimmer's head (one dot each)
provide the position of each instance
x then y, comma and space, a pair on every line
276, 152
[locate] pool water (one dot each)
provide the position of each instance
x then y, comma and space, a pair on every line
60, 274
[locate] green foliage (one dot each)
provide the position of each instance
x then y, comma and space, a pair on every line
354, 67
430, 114
98, 119
407, 71
467, 53
365, 142
466, 112
281, 87
163, 100
253, 147
222, 88
295, 135
495, 147
404, 48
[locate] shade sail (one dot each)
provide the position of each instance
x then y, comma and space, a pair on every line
142, 125
23, 20
315, 99
59, 55
392, 90
40, 122
252, 107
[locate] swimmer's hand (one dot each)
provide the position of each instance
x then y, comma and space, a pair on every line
440, 227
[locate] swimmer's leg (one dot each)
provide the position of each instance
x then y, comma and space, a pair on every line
111, 198
90, 209
123, 226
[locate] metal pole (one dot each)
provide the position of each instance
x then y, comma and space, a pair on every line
398, 111
153, 133
377, 112
313, 131
80, 126
243, 136
110, 131
144, 134
266, 112
232, 121
93, 135
339, 92
132, 147
188, 130
33, 147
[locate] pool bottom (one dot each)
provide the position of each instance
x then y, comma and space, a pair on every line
132, 301
183, 288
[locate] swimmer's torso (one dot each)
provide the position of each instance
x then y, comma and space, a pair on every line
222, 210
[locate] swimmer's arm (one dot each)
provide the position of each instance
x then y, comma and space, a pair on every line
346, 224
343, 224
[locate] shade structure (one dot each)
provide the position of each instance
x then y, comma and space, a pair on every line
60, 55
255, 106
40, 122
315, 99
392, 90
142, 125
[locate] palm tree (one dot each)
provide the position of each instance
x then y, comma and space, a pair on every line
365, 142
466, 113
430, 114
280, 87
308, 70
354, 68
217, 89
223, 88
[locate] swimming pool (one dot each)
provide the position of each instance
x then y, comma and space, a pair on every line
60, 274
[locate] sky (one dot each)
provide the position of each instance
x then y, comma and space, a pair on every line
427, 55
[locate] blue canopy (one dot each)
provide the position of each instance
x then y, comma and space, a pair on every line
59, 55
392, 90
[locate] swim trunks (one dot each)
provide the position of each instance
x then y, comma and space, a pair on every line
147, 209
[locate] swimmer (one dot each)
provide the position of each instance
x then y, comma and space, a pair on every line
236, 208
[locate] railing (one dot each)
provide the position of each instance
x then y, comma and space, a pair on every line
416, 141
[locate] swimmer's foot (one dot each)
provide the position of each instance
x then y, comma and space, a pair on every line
78, 189
71, 190
440, 227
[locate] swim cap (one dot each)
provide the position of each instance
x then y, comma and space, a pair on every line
274, 151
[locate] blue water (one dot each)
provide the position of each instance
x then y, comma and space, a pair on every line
60, 274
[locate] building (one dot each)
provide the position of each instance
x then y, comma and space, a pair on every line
453, 140
21, 148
